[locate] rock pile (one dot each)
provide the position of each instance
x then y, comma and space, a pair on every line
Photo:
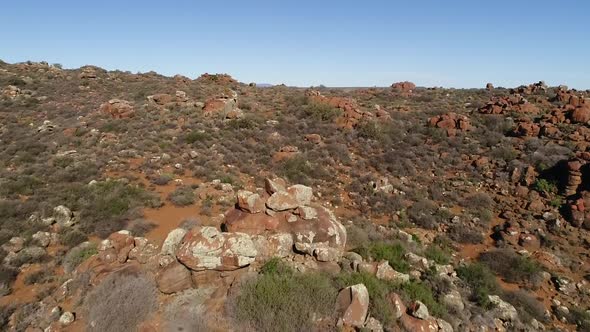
288, 213
451, 122
222, 79
538, 87
514, 103
223, 105
118, 109
404, 88
351, 112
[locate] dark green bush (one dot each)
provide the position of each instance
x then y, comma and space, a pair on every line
482, 282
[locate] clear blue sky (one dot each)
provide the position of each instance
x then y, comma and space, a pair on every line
336, 43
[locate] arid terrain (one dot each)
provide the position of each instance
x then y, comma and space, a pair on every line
152, 203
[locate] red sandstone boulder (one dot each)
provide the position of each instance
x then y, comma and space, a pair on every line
451, 122
118, 109
403, 87
581, 114
173, 278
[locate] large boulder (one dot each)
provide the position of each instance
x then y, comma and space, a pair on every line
250, 202
353, 305
405, 87
173, 278
118, 109
223, 105
206, 248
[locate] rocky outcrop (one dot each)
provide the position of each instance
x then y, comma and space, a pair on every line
221, 79
314, 229
404, 88
352, 114
451, 122
224, 106
118, 109
513, 103
539, 87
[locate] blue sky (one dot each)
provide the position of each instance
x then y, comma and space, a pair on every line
335, 43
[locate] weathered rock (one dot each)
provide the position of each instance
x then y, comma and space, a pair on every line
224, 106
307, 212
206, 248
281, 201
63, 216
454, 301
14, 245
42, 238
414, 324
404, 87
384, 271
172, 241
274, 185
302, 194
419, 310
250, 202
173, 278
118, 109
66, 318
275, 245
398, 309
353, 304
502, 309
451, 122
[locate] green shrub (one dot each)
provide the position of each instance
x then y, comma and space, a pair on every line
437, 254
322, 111
420, 291
545, 186
482, 282
393, 253
284, 301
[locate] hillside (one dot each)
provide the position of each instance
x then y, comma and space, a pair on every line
153, 203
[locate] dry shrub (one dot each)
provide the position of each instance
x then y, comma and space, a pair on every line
121, 302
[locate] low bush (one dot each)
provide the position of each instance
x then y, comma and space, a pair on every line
322, 112
510, 265
77, 255
72, 237
437, 254
393, 253
182, 196
278, 301
121, 301
482, 282
463, 234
